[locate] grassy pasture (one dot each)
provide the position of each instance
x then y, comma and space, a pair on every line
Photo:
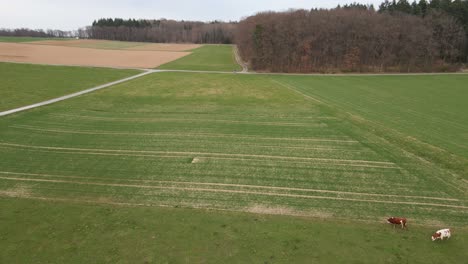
25, 84
206, 58
111, 45
58, 232
249, 143
96, 44
430, 108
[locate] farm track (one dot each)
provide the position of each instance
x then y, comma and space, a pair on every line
239, 61
66, 97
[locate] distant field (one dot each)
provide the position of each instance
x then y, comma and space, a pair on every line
119, 45
332, 162
25, 84
166, 47
64, 232
206, 58
26, 39
91, 43
62, 55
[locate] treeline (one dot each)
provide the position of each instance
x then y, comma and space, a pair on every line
162, 31
456, 8
119, 22
352, 38
25, 32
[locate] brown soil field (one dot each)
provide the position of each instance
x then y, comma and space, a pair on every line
59, 55
107, 44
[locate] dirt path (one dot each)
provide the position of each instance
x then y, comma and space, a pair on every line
245, 69
65, 97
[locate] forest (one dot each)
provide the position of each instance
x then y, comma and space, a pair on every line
399, 37
162, 31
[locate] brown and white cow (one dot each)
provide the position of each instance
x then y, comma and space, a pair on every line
397, 221
441, 234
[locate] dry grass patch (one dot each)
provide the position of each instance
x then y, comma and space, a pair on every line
17, 191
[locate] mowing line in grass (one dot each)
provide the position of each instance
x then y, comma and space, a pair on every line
232, 115
183, 140
200, 153
239, 136
232, 185
215, 158
337, 139
233, 192
185, 120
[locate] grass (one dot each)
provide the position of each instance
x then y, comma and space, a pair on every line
206, 58
429, 108
419, 114
263, 144
114, 45
57, 232
25, 84
26, 39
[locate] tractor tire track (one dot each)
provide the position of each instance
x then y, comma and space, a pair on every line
191, 189
235, 185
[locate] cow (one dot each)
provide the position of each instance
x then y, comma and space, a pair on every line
441, 234
397, 221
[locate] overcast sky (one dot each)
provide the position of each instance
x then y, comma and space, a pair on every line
72, 14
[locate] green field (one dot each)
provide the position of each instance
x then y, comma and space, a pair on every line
206, 58
113, 45
56, 232
108, 44
431, 109
307, 148
26, 39
25, 84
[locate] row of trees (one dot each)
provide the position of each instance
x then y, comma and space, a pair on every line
351, 39
25, 32
118, 22
162, 31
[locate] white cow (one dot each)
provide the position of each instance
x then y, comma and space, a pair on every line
441, 234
